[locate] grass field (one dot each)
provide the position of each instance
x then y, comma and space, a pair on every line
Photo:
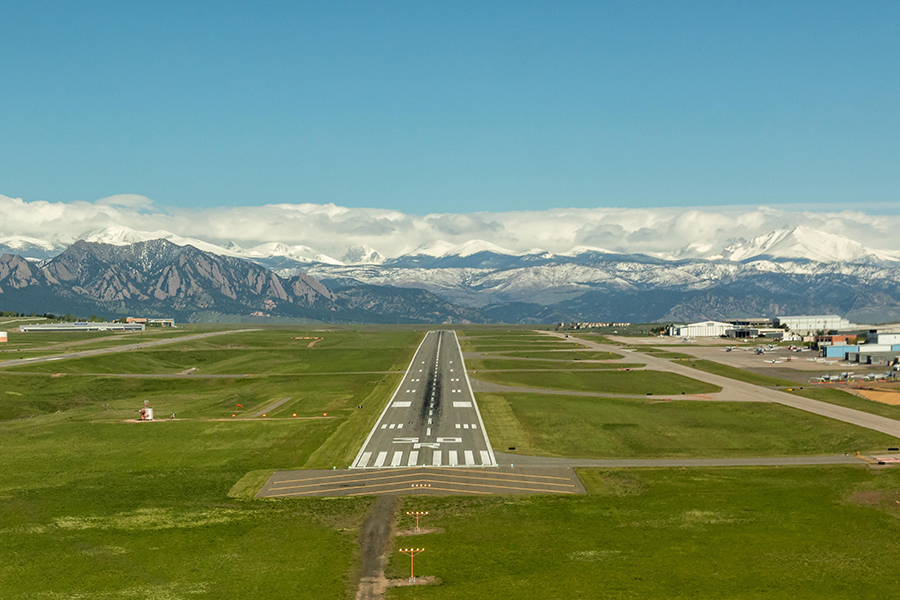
581, 427
95, 506
565, 355
85, 340
814, 391
122, 510
786, 533
490, 364
120, 398
659, 353
257, 352
615, 382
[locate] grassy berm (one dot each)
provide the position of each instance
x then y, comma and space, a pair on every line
95, 505
746, 533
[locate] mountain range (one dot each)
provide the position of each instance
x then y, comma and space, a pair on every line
119, 271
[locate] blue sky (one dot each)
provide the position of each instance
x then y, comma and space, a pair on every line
458, 107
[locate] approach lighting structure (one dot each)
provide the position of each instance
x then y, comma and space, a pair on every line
411, 552
417, 514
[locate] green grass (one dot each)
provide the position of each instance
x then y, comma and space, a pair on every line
749, 533
615, 382
85, 340
523, 347
123, 510
23, 396
491, 364
842, 398
166, 361
825, 394
262, 352
580, 427
662, 353
715, 368
565, 355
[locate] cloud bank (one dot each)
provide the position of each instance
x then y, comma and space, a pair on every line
332, 229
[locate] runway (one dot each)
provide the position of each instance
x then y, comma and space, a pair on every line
432, 419
429, 481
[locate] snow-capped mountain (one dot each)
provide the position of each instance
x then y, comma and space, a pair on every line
29, 248
362, 255
300, 254
791, 270
803, 243
124, 236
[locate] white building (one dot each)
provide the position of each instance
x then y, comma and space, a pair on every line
82, 327
3, 337
701, 329
883, 339
810, 324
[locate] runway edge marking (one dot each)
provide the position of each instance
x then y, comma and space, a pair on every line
391, 401
465, 371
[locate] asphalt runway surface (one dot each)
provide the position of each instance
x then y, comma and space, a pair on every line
429, 481
432, 419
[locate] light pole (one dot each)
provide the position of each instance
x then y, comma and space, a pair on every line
412, 553
417, 514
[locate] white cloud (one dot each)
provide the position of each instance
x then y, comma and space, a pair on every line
332, 229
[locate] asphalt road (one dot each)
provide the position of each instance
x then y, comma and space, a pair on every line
432, 419
735, 390
114, 349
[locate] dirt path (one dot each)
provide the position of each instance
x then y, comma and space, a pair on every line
374, 539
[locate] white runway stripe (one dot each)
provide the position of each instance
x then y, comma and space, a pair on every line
436, 458
398, 458
379, 460
470, 458
364, 459
413, 458
485, 458
453, 459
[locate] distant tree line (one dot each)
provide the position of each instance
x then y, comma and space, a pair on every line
66, 318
